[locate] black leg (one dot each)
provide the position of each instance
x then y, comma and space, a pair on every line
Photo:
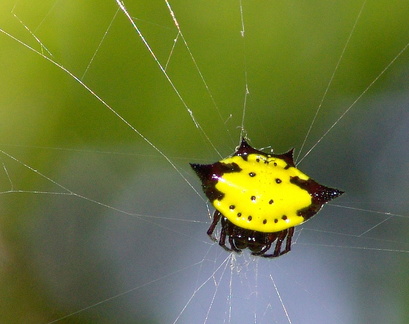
216, 218
277, 250
288, 241
233, 245
222, 240
264, 250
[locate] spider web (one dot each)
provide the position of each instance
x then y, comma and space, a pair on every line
105, 104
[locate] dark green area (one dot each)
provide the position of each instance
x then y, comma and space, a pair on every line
63, 251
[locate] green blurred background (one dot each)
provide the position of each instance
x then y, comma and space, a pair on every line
106, 214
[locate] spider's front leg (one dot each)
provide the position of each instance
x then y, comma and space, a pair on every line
269, 239
227, 230
222, 240
264, 250
287, 233
288, 241
233, 244
216, 218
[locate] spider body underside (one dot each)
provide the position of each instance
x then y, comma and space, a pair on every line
257, 242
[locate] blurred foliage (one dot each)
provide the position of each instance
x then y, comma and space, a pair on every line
52, 123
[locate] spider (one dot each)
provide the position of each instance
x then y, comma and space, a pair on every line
259, 198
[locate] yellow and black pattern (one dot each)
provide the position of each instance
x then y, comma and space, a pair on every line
260, 192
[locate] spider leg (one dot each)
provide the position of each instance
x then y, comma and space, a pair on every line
280, 238
268, 239
233, 245
216, 218
222, 240
228, 231
277, 250
264, 250
288, 241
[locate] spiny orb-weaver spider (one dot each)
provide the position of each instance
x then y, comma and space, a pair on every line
259, 198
